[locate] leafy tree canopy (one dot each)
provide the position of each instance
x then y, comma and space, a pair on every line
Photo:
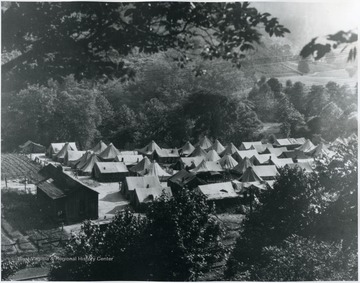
90, 39
178, 239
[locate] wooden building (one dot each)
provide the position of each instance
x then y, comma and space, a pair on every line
110, 171
64, 198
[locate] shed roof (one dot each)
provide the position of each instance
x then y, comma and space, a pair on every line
129, 152
145, 195
142, 182
57, 184
281, 162
289, 141
129, 159
218, 191
264, 171
50, 189
182, 177
241, 187
111, 167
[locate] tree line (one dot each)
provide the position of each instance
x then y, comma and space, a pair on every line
170, 105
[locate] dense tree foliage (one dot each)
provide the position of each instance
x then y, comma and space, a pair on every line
121, 242
305, 228
89, 39
178, 239
307, 259
66, 111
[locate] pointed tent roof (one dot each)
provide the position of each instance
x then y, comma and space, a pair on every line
307, 146
230, 149
212, 156
109, 153
218, 191
82, 160
187, 149
64, 150
72, 157
250, 176
321, 149
141, 166
248, 145
154, 169
89, 164
100, 147
204, 143
217, 146
227, 162
245, 153
149, 149
198, 151
208, 166
243, 165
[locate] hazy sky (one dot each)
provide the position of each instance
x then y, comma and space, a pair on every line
309, 20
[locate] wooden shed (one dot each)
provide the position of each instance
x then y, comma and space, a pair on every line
64, 198
110, 171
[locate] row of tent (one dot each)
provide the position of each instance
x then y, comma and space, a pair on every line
141, 190
204, 157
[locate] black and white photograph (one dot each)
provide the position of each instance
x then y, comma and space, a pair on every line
179, 141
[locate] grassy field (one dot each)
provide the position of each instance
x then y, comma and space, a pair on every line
17, 167
322, 78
